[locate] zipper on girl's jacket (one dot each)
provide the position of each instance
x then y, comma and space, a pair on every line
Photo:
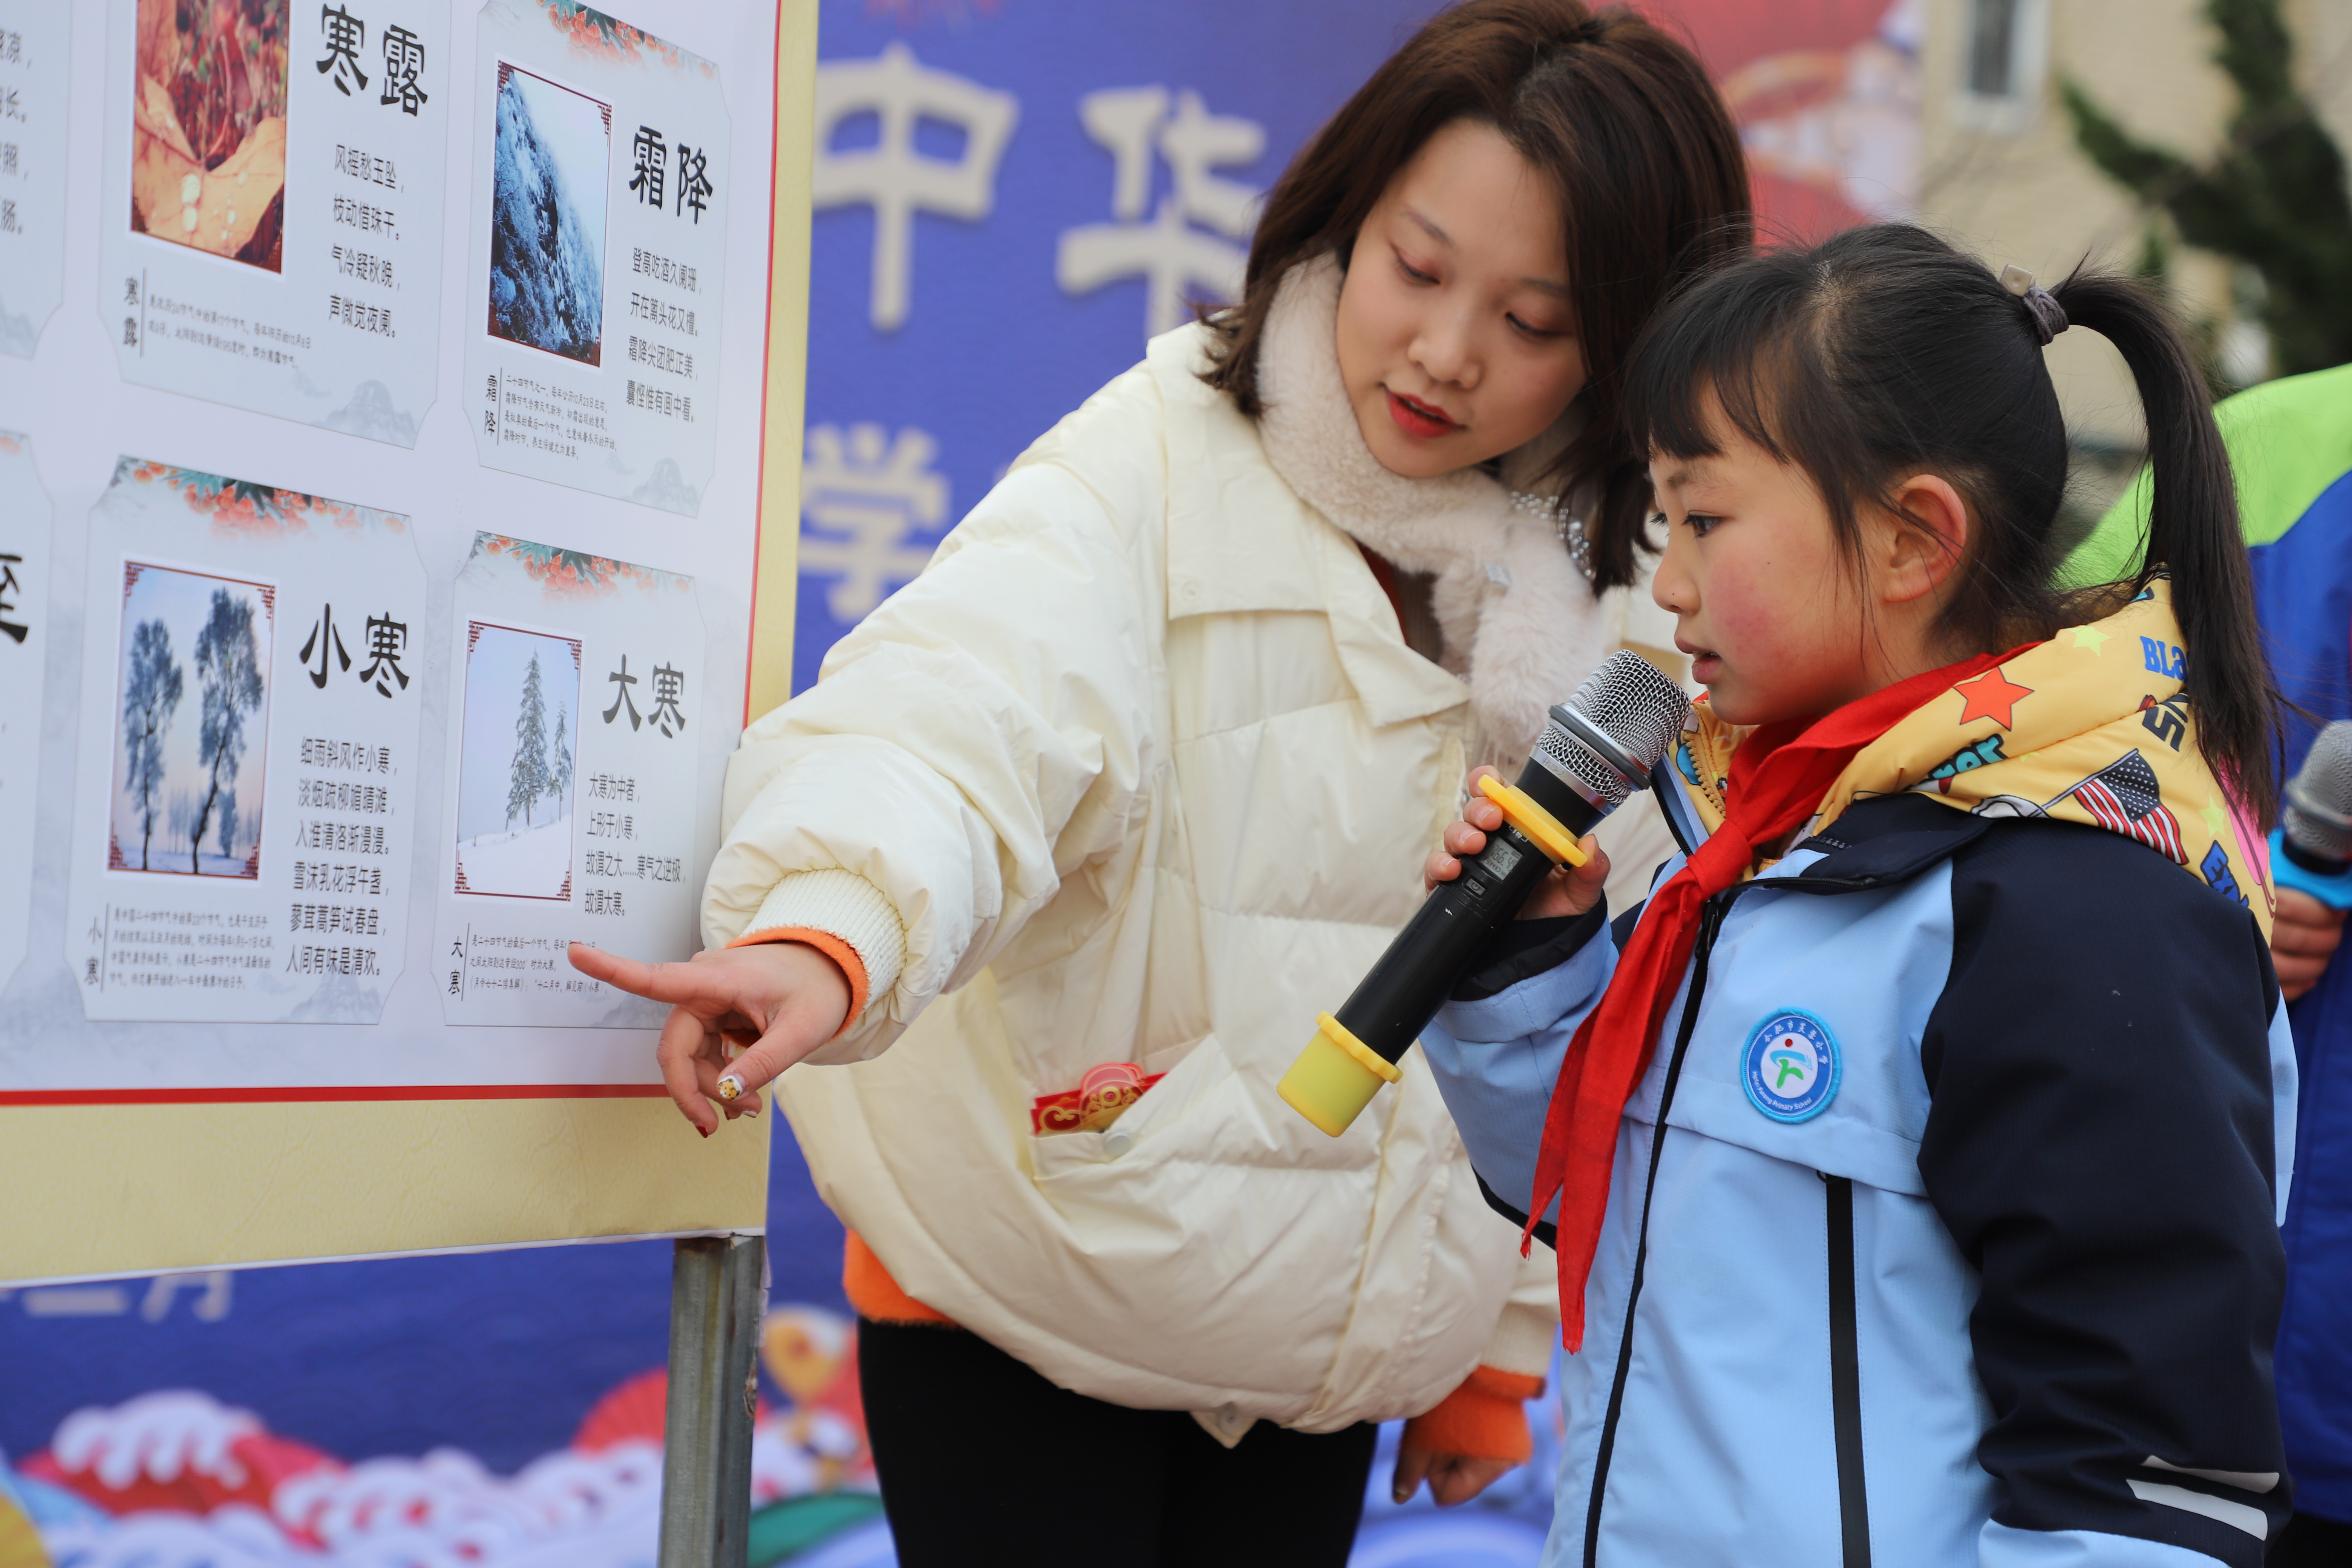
1711, 918
1710, 922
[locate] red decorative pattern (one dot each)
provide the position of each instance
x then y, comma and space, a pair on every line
1101, 1096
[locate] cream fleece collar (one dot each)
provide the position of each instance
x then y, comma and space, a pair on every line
1521, 622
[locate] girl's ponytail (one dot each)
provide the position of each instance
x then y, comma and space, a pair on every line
2193, 534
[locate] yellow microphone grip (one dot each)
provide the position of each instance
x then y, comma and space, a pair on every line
1334, 1077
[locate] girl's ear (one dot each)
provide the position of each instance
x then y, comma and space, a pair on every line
1923, 551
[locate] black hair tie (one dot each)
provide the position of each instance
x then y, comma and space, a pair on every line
2049, 317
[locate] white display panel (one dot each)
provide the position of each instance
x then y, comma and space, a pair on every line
23, 657
36, 45
601, 188
259, 893
273, 204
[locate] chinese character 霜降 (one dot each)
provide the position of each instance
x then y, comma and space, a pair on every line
625, 680
693, 185
403, 56
346, 34
668, 685
387, 640
8, 564
651, 157
890, 175
323, 635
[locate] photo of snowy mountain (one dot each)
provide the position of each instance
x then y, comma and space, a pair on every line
553, 160
514, 778
192, 705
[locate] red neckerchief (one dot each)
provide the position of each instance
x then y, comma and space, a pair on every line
1779, 775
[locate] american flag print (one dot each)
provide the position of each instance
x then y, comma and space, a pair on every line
2124, 798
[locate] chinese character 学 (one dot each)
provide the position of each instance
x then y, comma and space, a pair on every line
15, 630
403, 56
346, 34
623, 680
322, 634
891, 176
387, 641
694, 186
1191, 242
881, 493
651, 155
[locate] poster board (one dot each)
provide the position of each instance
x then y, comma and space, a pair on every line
398, 486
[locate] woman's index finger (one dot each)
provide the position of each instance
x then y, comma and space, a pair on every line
676, 983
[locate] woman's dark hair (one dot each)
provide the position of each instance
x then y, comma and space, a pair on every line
1623, 120
1884, 353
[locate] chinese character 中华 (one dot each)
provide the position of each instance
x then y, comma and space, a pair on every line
891, 176
1172, 256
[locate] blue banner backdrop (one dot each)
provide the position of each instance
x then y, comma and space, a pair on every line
1013, 195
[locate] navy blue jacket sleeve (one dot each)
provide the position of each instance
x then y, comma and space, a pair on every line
2100, 1146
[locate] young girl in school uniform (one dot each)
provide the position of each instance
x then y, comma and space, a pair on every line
1913, 1157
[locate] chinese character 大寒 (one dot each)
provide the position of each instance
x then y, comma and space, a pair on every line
403, 56
8, 564
387, 641
1172, 252
323, 635
891, 176
625, 680
881, 493
669, 686
694, 186
652, 155
346, 34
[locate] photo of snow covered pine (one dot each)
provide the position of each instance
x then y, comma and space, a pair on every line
553, 164
191, 711
514, 779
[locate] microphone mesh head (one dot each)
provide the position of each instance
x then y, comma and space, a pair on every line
1633, 703
2319, 801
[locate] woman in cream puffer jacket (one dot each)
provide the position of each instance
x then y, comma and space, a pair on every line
1142, 771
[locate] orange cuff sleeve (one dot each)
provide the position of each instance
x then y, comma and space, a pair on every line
1485, 1418
876, 1296
853, 968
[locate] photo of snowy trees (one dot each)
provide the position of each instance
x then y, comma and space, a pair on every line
553, 160
514, 781
193, 713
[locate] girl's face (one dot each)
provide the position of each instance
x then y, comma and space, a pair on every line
1456, 342
1777, 622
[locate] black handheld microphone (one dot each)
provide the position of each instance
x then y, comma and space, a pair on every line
2314, 841
1599, 748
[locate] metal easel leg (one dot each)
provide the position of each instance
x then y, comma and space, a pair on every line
715, 1301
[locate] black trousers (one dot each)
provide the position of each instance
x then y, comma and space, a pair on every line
2309, 1541
982, 1462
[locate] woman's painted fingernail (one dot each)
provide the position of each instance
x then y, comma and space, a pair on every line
704, 1131
1400, 1493
730, 1087
753, 1112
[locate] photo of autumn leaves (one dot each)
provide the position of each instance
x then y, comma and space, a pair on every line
208, 127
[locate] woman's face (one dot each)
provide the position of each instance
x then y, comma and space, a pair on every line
1457, 339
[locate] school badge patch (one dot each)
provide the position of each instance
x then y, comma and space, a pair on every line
1791, 1067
